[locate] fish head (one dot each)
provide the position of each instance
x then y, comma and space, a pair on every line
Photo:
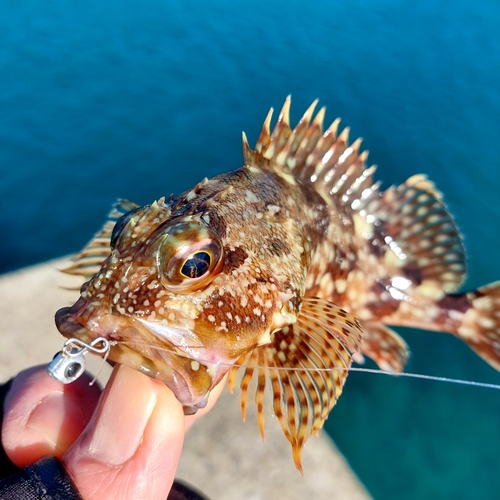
180, 301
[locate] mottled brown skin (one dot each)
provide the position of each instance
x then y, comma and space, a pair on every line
269, 229
270, 267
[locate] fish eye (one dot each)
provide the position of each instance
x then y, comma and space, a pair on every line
189, 257
196, 265
120, 226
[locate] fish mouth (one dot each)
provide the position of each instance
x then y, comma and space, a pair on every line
186, 369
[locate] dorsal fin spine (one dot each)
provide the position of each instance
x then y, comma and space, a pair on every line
265, 133
281, 131
307, 140
322, 159
301, 140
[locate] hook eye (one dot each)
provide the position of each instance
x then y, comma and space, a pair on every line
66, 369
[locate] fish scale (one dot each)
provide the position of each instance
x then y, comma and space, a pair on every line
283, 270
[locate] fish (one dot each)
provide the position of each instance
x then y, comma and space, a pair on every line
282, 273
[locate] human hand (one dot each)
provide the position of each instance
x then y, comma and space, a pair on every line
122, 444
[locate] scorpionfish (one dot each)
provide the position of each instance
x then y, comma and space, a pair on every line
284, 269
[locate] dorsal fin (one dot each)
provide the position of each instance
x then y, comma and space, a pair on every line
89, 260
410, 227
323, 159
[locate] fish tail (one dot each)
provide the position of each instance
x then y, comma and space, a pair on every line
477, 316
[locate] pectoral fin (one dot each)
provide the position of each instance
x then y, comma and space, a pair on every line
306, 365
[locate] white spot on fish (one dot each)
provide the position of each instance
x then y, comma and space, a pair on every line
326, 284
467, 332
251, 197
455, 315
340, 285
191, 195
487, 323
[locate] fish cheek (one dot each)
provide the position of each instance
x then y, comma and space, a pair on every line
223, 341
226, 330
136, 279
233, 259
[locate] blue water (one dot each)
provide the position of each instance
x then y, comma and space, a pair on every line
137, 99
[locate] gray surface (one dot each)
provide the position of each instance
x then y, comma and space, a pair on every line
222, 456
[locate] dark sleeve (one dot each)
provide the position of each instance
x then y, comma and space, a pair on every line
47, 479
6, 466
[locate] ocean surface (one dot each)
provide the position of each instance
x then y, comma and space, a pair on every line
138, 99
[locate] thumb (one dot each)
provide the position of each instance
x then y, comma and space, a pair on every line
43, 416
131, 447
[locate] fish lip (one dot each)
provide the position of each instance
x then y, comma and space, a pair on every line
69, 327
170, 364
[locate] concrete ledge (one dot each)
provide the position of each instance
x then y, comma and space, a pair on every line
223, 457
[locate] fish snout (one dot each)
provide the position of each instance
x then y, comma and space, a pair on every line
69, 326
134, 345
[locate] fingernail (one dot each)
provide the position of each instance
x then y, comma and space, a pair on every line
122, 417
58, 419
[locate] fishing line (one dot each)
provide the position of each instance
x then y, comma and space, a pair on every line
375, 371
435, 378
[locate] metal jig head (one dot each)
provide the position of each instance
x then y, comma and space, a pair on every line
69, 363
